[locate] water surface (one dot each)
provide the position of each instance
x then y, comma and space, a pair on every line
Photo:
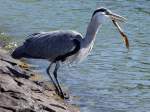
111, 79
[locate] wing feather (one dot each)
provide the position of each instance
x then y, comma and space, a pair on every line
49, 45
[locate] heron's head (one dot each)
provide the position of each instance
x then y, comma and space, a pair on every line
101, 14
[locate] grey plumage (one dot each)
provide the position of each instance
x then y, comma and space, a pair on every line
47, 45
18, 52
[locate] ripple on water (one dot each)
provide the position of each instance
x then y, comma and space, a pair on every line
111, 79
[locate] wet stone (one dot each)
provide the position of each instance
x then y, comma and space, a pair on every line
18, 93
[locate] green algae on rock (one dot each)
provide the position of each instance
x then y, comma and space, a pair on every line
6, 42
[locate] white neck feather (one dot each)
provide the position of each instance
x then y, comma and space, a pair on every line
92, 30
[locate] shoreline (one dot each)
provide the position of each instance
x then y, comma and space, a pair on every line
19, 92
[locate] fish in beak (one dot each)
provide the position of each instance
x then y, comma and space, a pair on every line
124, 36
115, 19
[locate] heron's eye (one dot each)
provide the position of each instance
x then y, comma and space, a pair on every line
107, 12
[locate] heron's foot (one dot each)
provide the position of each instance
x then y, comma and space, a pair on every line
63, 95
66, 96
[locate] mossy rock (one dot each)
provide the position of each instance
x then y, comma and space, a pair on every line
6, 42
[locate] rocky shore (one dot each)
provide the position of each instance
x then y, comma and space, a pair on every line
20, 93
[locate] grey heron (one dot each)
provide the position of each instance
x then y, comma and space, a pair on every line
62, 46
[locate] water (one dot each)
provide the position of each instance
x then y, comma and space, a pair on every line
111, 79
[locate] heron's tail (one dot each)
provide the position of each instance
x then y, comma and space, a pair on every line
18, 52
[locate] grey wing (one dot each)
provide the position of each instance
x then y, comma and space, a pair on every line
50, 45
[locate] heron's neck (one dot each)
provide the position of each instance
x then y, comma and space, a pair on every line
91, 32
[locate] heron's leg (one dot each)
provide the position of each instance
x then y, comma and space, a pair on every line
48, 72
55, 75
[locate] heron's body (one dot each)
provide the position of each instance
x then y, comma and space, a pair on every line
50, 45
56, 43
63, 46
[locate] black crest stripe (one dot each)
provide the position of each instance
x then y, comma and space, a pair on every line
99, 10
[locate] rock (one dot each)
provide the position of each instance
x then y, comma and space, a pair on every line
18, 93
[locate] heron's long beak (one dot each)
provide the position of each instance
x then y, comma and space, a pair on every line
115, 18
